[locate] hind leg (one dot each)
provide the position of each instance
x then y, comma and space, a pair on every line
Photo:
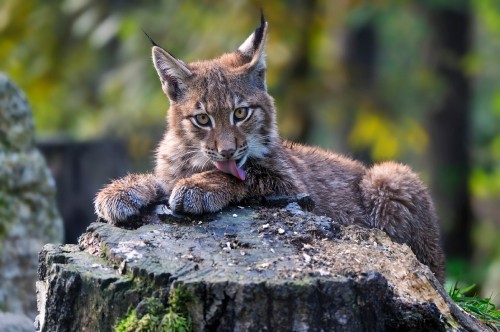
398, 203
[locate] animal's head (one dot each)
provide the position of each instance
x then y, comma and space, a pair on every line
221, 107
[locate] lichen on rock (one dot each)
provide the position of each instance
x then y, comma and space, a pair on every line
28, 212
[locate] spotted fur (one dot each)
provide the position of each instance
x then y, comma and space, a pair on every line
388, 196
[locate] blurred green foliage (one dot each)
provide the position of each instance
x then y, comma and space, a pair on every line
85, 66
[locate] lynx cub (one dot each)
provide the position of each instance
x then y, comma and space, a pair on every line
222, 145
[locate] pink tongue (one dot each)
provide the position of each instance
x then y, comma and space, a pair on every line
230, 167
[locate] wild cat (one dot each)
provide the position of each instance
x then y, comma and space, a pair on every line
222, 145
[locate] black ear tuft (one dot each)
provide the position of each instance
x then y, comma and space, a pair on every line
150, 39
253, 51
259, 32
154, 43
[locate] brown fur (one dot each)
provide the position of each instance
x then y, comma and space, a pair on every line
388, 196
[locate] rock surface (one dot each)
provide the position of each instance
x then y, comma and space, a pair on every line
273, 268
10, 322
28, 213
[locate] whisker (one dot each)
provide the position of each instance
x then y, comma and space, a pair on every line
182, 164
206, 162
183, 153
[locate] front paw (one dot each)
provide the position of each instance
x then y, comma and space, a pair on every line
116, 207
205, 193
125, 198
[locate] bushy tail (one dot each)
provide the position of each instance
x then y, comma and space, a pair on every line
125, 197
398, 203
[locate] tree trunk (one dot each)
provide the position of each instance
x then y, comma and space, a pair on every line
448, 123
359, 61
299, 77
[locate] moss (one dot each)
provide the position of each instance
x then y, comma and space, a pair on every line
151, 315
128, 323
179, 299
173, 321
177, 318
148, 323
104, 250
4, 214
3, 231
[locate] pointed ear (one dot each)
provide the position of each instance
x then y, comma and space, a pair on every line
254, 49
173, 73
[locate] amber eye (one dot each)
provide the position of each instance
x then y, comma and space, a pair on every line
202, 119
240, 113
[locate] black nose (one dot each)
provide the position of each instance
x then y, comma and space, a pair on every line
227, 153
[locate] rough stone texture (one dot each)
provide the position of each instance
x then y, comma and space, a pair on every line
28, 213
244, 269
10, 322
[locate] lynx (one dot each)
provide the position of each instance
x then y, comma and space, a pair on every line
222, 145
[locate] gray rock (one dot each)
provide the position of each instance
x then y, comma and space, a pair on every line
10, 322
28, 213
244, 269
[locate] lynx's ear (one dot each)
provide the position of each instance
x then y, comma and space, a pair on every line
173, 73
254, 49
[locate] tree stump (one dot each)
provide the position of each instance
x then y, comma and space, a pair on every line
270, 266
